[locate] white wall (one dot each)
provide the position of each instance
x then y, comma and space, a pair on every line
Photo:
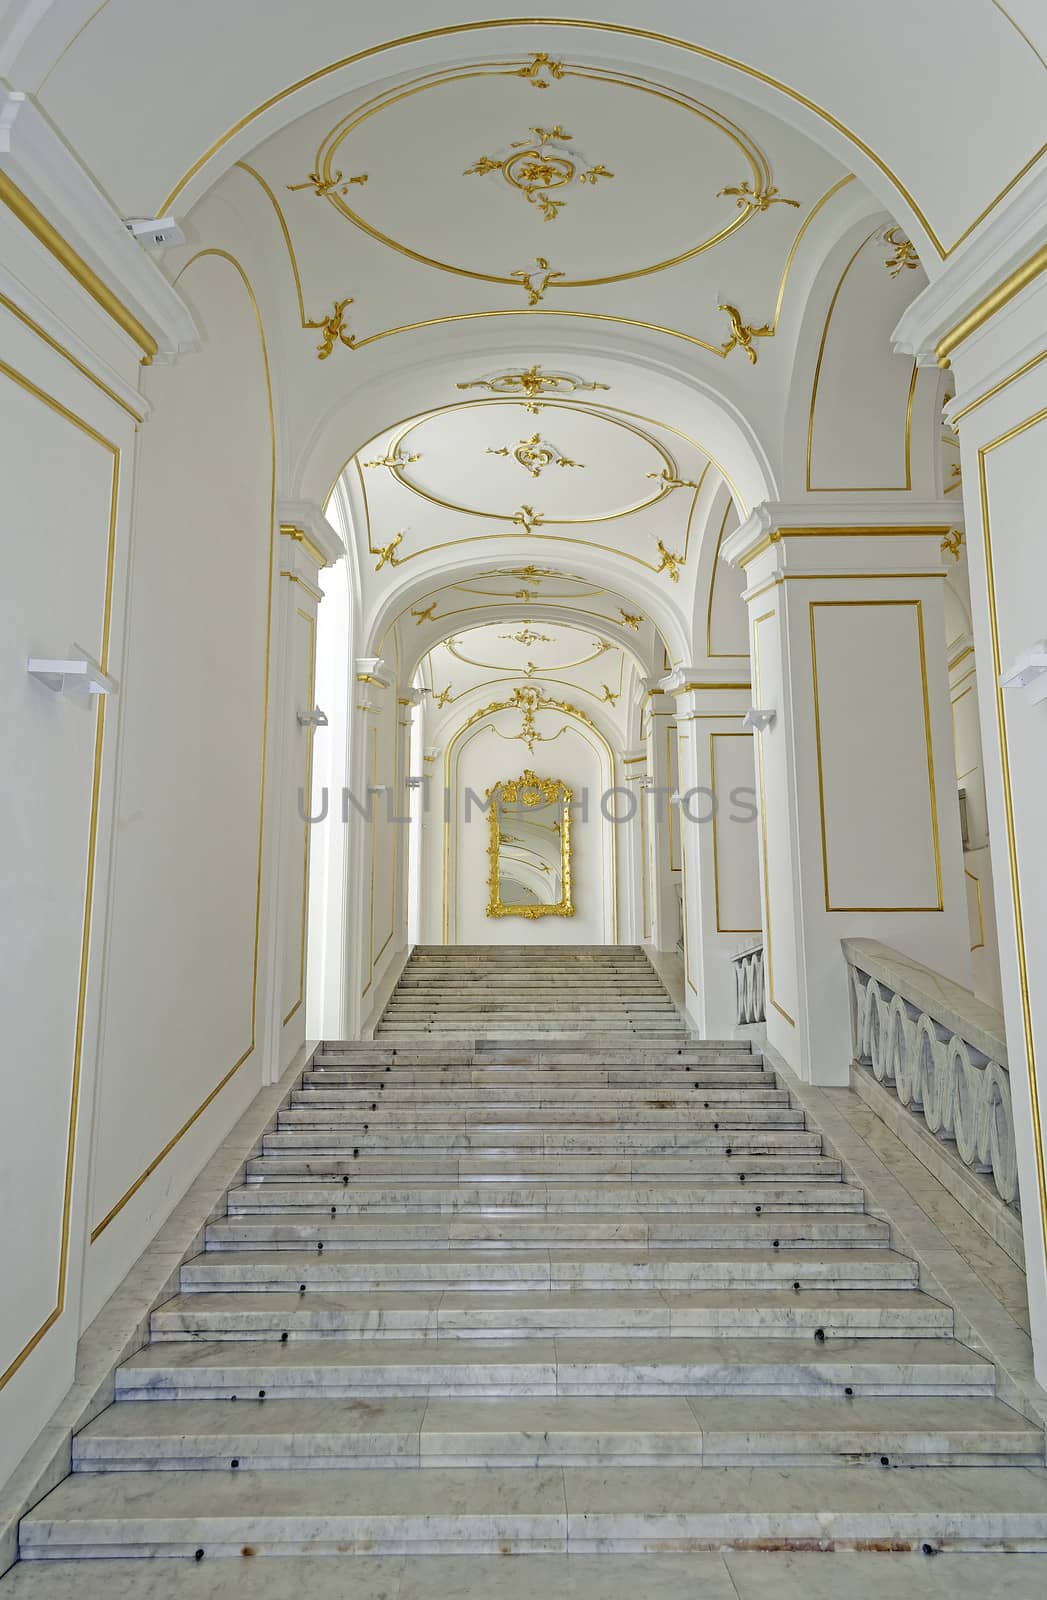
183, 1027
481, 758
66, 454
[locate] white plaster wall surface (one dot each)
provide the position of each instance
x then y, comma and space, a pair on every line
183, 1002
486, 760
67, 453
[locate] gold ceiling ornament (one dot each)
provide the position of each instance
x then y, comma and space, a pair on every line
953, 542
323, 186
424, 616
525, 594
526, 280
630, 620
668, 480
528, 519
333, 329
531, 668
541, 62
443, 698
532, 382
387, 553
527, 636
536, 574
758, 199
393, 459
609, 697
669, 563
535, 454
743, 333
534, 169
903, 255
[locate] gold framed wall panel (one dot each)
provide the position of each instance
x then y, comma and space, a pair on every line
227, 1077
815, 606
766, 616
307, 617
717, 874
36, 392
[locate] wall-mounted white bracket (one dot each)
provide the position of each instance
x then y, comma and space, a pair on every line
79, 672
1030, 668
313, 719
755, 719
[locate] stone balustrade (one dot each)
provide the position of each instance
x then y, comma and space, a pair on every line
941, 1049
748, 977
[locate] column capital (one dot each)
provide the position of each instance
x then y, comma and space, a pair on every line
688, 680
409, 697
846, 540
373, 670
305, 525
1005, 256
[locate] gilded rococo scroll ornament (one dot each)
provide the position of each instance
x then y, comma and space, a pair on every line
759, 199
669, 563
333, 329
387, 556
535, 454
541, 63
743, 333
539, 164
337, 183
536, 283
903, 253
532, 382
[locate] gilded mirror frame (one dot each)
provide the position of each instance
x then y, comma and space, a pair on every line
529, 790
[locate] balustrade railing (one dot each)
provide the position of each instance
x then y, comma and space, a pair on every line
943, 1052
748, 979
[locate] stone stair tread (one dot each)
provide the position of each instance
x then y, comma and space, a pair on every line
464, 1200
261, 1361
473, 1509
542, 1428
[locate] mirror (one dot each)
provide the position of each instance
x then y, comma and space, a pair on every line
530, 848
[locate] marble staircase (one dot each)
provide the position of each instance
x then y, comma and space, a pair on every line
500, 991
518, 1282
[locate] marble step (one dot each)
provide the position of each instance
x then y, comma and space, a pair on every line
591, 1268
678, 1079
502, 1511
679, 1093
320, 1230
353, 1050
331, 1107
623, 1313
563, 1430
702, 1576
324, 1156
553, 1028
679, 1366
465, 1199
317, 1133
783, 1166
322, 1137
700, 1168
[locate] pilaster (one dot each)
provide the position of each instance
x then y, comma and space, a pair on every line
659, 824
986, 316
859, 829
715, 811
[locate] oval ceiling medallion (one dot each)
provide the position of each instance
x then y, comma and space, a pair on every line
498, 459
527, 647
604, 176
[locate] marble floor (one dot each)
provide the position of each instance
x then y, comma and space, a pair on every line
599, 1313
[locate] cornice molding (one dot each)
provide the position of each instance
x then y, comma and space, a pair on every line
1006, 255
303, 521
703, 679
858, 517
45, 187
19, 301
